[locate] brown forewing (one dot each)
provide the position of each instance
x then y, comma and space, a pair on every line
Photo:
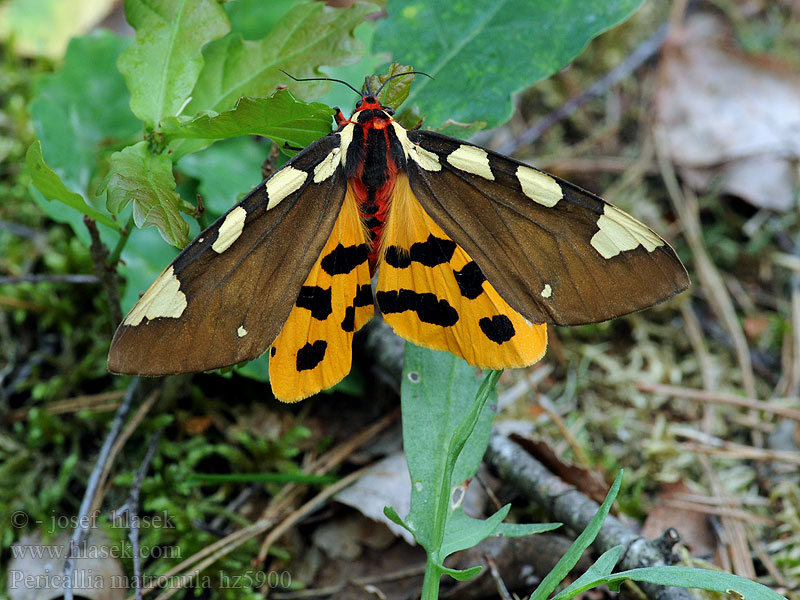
522, 246
252, 284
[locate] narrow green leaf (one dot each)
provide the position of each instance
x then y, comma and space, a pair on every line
146, 180
523, 529
599, 570
584, 540
162, 65
307, 36
461, 574
482, 51
281, 117
464, 532
50, 185
685, 577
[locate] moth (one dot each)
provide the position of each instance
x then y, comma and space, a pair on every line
473, 252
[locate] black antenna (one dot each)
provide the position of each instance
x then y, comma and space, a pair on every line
395, 76
320, 79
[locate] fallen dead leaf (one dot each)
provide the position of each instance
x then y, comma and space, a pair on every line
732, 120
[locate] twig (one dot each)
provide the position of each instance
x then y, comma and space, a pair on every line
77, 279
104, 270
721, 398
564, 503
103, 401
137, 417
131, 506
502, 590
635, 59
84, 522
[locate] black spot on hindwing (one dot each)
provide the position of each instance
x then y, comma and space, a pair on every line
317, 300
363, 296
470, 280
349, 321
344, 259
310, 355
430, 253
498, 329
428, 307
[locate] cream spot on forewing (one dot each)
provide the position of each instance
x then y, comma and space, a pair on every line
230, 230
241, 332
283, 183
425, 159
345, 137
327, 167
472, 160
162, 299
547, 291
539, 186
619, 232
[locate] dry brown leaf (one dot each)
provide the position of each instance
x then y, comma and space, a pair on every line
732, 120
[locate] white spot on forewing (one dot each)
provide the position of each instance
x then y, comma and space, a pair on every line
283, 183
539, 186
424, 158
230, 230
547, 291
619, 232
241, 332
327, 167
162, 299
472, 160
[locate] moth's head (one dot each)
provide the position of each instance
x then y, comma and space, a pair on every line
370, 103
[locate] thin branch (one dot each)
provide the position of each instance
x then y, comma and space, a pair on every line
104, 270
132, 508
76, 279
566, 504
84, 521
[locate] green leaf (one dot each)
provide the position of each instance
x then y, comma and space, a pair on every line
462, 574
464, 532
600, 569
44, 27
252, 18
50, 185
576, 550
482, 51
82, 108
309, 35
282, 118
396, 91
139, 177
438, 390
162, 65
685, 577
